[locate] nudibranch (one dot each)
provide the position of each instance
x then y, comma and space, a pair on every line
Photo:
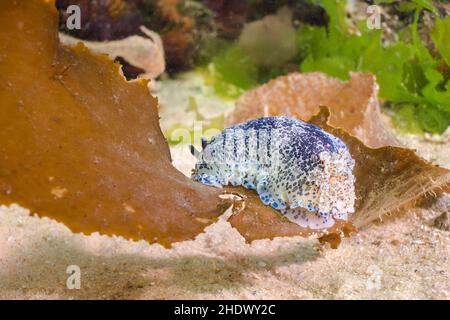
296, 167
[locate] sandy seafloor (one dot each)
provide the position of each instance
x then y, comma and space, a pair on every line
402, 258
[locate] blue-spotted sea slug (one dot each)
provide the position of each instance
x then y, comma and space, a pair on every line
295, 167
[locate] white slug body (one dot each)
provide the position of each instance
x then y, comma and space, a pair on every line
294, 166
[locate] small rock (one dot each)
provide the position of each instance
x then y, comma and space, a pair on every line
376, 242
442, 222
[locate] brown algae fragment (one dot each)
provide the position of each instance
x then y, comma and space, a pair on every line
255, 221
353, 104
387, 179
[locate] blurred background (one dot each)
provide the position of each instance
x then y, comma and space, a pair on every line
204, 54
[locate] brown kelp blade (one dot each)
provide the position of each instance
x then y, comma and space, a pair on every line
387, 178
255, 221
81, 145
353, 104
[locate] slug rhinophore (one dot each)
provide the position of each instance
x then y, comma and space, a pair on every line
294, 166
